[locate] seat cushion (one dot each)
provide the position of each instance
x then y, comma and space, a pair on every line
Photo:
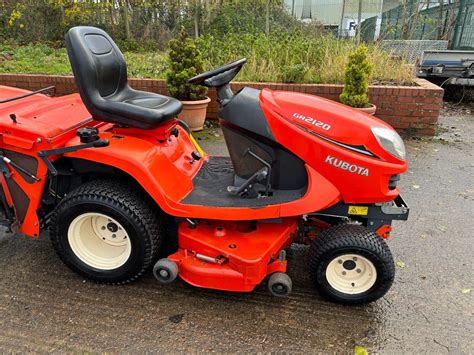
156, 103
147, 109
138, 109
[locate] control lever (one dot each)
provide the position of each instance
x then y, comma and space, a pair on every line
248, 184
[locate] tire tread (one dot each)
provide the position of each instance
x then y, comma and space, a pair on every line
117, 194
346, 236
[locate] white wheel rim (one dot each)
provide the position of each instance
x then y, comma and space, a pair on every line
99, 241
351, 274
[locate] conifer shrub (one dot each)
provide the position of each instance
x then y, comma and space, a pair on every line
184, 62
356, 80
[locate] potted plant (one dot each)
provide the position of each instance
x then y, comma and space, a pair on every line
185, 61
356, 88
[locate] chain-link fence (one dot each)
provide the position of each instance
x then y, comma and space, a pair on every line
410, 50
447, 20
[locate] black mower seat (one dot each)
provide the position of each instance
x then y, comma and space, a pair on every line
101, 77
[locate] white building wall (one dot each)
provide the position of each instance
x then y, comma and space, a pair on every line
330, 12
340, 13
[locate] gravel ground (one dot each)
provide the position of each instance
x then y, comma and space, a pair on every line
46, 307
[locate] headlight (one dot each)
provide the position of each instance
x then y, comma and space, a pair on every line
390, 141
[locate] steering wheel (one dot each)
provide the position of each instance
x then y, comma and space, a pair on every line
219, 76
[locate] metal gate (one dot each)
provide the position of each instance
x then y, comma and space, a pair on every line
463, 37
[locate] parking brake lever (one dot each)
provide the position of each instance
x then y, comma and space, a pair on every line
248, 184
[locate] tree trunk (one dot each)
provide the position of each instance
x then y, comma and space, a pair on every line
196, 19
267, 17
440, 19
111, 12
359, 22
125, 9
405, 20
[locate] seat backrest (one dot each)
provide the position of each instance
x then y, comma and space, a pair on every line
98, 65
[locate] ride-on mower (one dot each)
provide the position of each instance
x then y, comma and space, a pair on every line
118, 180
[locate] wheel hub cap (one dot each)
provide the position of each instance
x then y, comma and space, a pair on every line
99, 241
349, 264
351, 274
112, 227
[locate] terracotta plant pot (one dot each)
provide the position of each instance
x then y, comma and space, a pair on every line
194, 113
370, 110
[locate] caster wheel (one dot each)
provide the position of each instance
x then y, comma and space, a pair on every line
165, 271
279, 284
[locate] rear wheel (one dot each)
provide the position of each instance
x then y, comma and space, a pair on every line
350, 264
106, 232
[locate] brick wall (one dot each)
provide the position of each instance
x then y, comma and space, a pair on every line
413, 110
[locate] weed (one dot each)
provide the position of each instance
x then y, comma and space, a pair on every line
270, 59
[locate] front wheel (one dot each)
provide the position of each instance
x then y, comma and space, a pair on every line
350, 264
107, 232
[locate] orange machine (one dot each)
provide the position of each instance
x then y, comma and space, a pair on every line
120, 182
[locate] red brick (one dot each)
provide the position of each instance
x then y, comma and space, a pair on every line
388, 117
409, 119
402, 125
401, 112
412, 106
384, 111
431, 106
406, 92
400, 106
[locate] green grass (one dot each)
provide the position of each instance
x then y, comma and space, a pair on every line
42, 59
270, 59
322, 57
33, 59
